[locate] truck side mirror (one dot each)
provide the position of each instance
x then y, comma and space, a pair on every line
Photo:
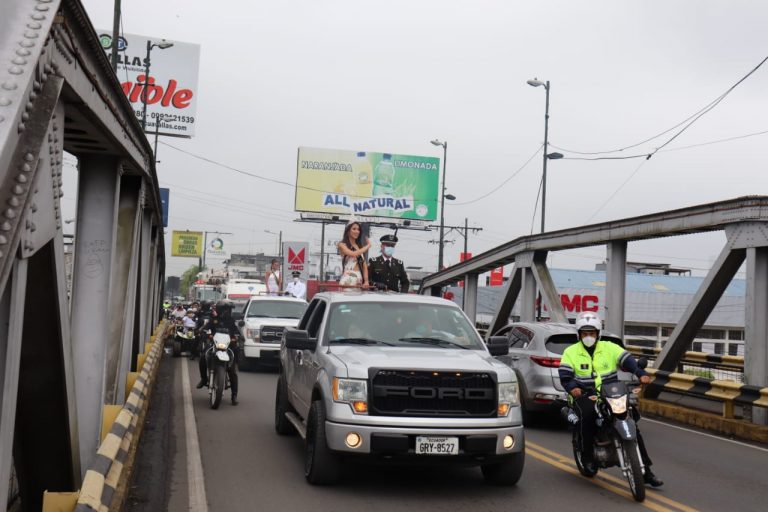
241, 323
299, 340
498, 345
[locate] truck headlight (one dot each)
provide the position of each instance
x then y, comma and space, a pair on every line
252, 334
509, 396
353, 392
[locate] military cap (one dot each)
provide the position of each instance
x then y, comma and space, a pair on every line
296, 273
388, 239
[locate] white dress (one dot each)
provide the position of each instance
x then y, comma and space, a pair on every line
272, 285
351, 275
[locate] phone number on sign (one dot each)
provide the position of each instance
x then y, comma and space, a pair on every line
167, 118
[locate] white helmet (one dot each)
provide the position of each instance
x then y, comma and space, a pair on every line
588, 319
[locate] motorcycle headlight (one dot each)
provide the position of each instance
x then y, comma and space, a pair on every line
509, 396
222, 345
353, 392
618, 405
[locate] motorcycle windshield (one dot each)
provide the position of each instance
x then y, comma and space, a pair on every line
614, 389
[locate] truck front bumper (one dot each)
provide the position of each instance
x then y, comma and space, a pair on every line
400, 441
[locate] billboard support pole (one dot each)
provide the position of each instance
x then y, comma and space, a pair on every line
322, 252
115, 35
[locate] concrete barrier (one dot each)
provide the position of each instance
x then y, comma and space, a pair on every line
106, 480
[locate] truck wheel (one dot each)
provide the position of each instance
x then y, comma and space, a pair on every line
321, 465
282, 406
506, 472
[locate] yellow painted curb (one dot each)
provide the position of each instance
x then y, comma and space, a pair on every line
130, 380
108, 417
140, 361
706, 420
59, 501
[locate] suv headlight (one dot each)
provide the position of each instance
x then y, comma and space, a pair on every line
509, 396
353, 392
252, 334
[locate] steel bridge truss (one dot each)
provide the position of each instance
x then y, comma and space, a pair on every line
63, 356
744, 221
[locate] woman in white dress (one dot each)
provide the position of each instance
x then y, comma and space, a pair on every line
355, 272
274, 279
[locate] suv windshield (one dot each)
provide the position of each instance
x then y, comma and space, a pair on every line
403, 324
275, 309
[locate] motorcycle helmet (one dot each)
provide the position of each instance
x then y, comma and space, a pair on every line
588, 320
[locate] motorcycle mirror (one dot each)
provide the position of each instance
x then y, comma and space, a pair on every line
642, 362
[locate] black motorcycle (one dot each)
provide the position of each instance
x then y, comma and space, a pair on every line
219, 357
616, 436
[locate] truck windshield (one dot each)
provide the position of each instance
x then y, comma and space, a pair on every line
275, 309
402, 324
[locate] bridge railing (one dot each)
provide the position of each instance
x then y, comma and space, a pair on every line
700, 364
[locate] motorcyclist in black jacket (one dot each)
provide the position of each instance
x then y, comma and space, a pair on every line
221, 321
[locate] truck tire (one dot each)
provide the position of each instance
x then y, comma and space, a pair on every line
321, 465
506, 472
282, 426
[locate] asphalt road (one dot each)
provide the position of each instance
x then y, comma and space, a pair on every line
246, 466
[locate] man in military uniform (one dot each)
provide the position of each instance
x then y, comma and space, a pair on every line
387, 272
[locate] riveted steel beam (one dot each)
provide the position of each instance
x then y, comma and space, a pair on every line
512, 291
616, 285
756, 332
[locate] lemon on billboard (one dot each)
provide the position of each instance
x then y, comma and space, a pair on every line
187, 244
367, 184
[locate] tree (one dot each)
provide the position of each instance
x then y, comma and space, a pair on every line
188, 278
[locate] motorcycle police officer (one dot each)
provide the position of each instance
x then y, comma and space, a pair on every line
387, 272
222, 321
585, 365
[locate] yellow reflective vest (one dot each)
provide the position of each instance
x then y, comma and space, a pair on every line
579, 369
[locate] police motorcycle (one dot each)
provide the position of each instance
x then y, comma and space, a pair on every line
616, 441
219, 357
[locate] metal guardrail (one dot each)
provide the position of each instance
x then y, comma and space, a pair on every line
729, 392
701, 364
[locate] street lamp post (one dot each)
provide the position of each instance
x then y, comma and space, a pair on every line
145, 92
441, 243
537, 83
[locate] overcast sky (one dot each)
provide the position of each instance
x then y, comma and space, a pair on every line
389, 76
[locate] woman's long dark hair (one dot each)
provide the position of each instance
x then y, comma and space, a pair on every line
346, 238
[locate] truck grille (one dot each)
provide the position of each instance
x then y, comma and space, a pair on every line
426, 393
272, 333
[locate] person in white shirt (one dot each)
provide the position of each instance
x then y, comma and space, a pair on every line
189, 320
296, 288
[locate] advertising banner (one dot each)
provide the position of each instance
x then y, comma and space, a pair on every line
367, 184
464, 256
187, 244
164, 197
173, 72
295, 257
216, 249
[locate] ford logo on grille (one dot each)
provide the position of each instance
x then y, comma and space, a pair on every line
426, 392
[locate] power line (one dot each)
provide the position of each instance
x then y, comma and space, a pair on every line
497, 188
536, 204
689, 120
617, 191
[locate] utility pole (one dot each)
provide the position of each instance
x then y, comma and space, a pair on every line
322, 253
115, 35
462, 230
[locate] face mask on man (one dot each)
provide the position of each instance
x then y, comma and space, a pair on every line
389, 251
295, 279
588, 341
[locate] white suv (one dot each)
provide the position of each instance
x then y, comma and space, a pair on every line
264, 318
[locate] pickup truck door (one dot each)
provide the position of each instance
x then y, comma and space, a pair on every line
306, 365
290, 364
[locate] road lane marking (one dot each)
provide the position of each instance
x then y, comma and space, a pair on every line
648, 492
195, 480
600, 483
747, 445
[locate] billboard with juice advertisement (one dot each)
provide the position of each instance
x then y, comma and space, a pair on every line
366, 184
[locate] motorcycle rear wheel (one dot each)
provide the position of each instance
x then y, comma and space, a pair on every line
217, 390
635, 473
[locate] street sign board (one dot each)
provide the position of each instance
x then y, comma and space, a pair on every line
187, 244
295, 258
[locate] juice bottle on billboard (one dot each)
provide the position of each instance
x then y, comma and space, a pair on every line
363, 176
384, 177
